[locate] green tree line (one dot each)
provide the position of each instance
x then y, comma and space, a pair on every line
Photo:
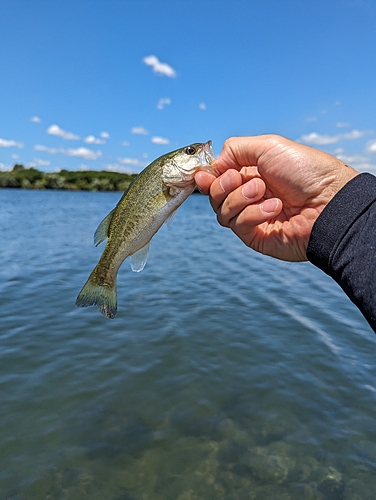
87, 180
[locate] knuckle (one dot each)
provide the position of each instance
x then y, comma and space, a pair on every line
229, 141
229, 144
222, 220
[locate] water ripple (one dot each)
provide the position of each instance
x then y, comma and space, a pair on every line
225, 374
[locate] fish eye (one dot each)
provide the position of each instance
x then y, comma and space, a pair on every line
190, 150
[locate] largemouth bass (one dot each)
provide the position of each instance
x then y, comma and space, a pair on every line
152, 197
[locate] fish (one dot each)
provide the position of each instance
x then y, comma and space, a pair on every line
150, 200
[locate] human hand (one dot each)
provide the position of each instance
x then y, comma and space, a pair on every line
271, 190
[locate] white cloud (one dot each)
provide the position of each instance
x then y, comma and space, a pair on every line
105, 135
357, 161
124, 165
159, 67
371, 147
129, 161
5, 143
342, 124
35, 119
91, 139
38, 162
318, 139
311, 119
46, 149
322, 139
87, 154
4, 167
163, 101
160, 140
356, 134
352, 159
125, 143
361, 162
59, 132
139, 130
202, 105
115, 167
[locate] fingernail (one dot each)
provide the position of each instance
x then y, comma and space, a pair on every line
269, 206
250, 190
226, 182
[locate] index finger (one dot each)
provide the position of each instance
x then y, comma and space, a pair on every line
238, 152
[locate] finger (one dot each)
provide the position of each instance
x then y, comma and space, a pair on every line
238, 152
254, 215
249, 173
204, 180
247, 194
222, 186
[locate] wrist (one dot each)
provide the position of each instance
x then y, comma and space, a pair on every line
343, 175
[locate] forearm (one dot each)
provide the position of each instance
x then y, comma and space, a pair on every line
343, 243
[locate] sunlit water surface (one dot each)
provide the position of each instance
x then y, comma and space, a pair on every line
225, 374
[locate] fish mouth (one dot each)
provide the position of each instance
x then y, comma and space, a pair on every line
207, 152
207, 158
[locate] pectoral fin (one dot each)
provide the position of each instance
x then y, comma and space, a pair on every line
138, 259
102, 230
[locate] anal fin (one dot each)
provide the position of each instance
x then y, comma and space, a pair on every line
139, 258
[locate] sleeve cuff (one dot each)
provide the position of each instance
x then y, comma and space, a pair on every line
338, 216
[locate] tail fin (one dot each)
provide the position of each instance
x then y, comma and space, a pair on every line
103, 296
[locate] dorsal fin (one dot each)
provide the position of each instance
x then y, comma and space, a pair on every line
102, 230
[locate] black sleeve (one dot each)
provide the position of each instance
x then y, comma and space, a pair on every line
343, 243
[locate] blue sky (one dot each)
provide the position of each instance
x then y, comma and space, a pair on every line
113, 84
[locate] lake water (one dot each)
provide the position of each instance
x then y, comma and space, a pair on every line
225, 374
